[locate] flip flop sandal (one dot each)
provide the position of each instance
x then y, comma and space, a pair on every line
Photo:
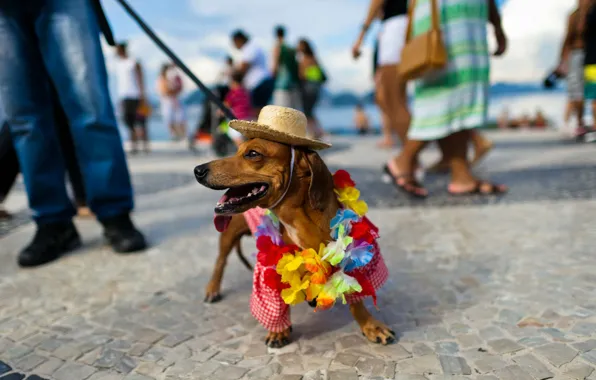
409, 181
477, 190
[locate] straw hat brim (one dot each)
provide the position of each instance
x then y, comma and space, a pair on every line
251, 130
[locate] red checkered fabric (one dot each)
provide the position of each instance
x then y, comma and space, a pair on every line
266, 304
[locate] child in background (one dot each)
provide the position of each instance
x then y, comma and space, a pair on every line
238, 99
361, 120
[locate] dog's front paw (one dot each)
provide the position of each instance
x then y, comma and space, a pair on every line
212, 293
378, 332
278, 339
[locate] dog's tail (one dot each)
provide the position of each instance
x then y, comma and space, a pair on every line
241, 255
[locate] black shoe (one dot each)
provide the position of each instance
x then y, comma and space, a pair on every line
50, 242
122, 234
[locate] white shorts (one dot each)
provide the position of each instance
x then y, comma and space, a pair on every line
392, 38
172, 111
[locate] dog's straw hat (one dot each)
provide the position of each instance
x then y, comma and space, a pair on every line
279, 124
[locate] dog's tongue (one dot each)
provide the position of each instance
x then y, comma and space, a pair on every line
221, 222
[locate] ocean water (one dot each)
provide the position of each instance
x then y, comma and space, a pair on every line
339, 120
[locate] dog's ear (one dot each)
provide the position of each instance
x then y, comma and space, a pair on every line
320, 190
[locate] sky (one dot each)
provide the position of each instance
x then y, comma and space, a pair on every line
198, 31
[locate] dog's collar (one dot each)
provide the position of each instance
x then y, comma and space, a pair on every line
292, 156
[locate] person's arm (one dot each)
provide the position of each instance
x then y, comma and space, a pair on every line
276, 52
494, 17
373, 11
301, 68
140, 81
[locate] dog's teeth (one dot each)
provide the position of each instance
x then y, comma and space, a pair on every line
262, 188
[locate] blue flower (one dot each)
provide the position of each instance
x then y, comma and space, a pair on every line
357, 255
343, 217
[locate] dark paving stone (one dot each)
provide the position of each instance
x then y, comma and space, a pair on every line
4, 368
35, 377
527, 185
13, 376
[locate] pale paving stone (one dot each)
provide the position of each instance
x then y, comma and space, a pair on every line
265, 373
512, 372
366, 366
556, 353
589, 356
454, 365
585, 346
504, 346
49, 366
29, 362
490, 363
342, 375
578, 371
229, 372
410, 377
419, 365
533, 366
421, 349
136, 376
74, 371
104, 375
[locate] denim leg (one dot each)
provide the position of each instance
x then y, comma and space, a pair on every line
25, 99
69, 41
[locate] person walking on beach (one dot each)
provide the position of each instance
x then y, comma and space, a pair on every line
285, 71
390, 91
253, 65
131, 94
572, 63
588, 20
453, 101
37, 34
312, 77
169, 87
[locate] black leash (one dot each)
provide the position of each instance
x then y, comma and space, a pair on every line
226, 110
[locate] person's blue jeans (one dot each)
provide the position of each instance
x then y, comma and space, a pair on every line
58, 41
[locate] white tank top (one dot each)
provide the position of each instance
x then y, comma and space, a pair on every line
128, 88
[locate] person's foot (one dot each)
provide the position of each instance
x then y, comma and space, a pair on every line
122, 235
49, 243
476, 187
405, 180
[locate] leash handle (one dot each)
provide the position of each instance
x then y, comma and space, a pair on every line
226, 110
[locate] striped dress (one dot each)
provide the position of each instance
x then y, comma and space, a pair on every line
455, 98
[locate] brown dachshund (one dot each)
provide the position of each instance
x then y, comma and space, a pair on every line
257, 176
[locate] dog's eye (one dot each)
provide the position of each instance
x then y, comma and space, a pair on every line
252, 154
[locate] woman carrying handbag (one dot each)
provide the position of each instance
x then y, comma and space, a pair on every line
450, 63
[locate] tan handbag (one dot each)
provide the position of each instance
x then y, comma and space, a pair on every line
425, 52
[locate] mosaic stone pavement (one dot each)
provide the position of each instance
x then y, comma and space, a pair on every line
480, 288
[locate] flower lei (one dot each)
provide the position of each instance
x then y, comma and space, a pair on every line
329, 273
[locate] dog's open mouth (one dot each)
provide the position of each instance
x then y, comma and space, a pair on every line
239, 196
236, 197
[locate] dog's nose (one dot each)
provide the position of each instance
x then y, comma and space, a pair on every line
201, 172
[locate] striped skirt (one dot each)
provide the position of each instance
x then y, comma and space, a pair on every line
455, 98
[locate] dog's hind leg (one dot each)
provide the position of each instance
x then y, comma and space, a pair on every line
373, 330
228, 239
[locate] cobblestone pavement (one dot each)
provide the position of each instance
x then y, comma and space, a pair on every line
491, 289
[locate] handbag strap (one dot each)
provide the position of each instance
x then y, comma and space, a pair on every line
434, 15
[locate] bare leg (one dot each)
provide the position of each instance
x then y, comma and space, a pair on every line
455, 149
403, 165
392, 100
481, 146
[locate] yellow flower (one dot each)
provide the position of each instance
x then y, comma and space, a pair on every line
295, 293
348, 196
314, 263
289, 266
